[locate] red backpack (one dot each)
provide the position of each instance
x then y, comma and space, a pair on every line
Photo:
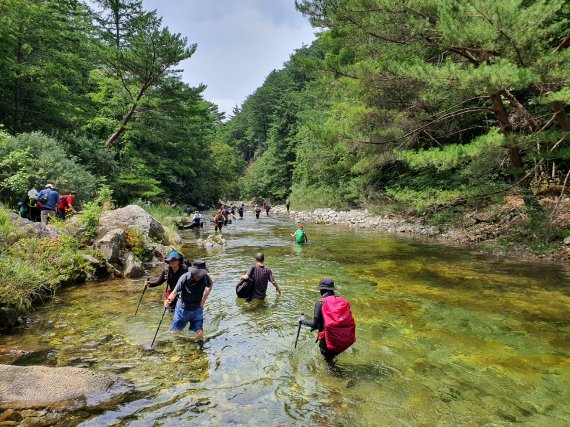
340, 328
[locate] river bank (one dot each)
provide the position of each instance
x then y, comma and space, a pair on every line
500, 230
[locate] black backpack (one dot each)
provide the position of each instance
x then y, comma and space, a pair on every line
244, 288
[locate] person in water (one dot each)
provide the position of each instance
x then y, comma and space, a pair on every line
193, 289
287, 204
171, 275
299, 235
240, 212
257, 211
261, 275
219, 220
338, 322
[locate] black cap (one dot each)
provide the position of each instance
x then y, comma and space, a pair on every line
199, 267
326, 285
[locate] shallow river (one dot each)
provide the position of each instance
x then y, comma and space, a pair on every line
444, 337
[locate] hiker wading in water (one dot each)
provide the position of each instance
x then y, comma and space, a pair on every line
171, 276
261, 275
334, 321
193, 288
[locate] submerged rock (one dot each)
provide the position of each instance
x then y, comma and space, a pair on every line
35, 387
213, 240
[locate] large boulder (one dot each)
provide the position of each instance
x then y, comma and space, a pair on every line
112, 245
131, 216
23, 387
132, 268
34, 228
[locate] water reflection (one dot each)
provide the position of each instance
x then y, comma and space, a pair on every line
445, 337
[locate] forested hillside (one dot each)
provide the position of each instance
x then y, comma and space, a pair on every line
90, 93
432, 107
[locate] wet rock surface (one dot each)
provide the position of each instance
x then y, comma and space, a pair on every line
37, 387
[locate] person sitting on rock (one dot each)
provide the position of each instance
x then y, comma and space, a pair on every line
171, 275
197, 220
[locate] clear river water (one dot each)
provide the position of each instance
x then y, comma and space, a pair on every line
445, 336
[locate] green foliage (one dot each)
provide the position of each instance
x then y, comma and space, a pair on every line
34, 159
32, 269
164, 214
135, 242
92, 211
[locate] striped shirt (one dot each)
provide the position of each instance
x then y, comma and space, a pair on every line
261, 276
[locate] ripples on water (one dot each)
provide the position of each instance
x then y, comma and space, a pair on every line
445, 337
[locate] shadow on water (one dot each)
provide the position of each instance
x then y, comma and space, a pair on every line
444, 337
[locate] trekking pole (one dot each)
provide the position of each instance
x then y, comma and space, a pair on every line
159, 323
298, 331
142, 295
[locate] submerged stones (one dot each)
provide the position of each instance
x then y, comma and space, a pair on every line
212, 241
36, 387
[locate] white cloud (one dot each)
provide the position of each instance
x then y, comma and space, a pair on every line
239, 42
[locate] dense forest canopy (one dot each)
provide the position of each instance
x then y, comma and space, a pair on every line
422, 106
94, 86
416, 104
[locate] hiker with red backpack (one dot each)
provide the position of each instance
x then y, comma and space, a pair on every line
334, 321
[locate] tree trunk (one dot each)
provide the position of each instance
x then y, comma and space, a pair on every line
514, 151
122, 128
560, 116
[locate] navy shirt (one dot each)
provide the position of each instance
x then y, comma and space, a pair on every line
52, 201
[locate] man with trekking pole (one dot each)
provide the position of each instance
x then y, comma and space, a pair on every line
334, 321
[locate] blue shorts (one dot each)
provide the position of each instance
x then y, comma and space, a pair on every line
182, 317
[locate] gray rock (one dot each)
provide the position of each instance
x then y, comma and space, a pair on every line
172, 237
567, 241
112, 245
100, 267
33, 387
132, 268
131, 216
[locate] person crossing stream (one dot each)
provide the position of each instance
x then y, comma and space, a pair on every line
438, 329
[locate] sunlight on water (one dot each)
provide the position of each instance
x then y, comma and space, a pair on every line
445, 337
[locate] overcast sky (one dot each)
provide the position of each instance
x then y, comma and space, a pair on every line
239, 42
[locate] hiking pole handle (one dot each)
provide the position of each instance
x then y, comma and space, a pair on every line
142, 295
157, 329
298, 331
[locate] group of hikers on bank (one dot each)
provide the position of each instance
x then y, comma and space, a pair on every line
45, 204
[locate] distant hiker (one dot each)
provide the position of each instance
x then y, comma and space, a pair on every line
219, 220
148, 204
299, 235
261, 275
226, 214
197, 220
171, 275
193, 287
65, 206
233, 209
33, 205
287, 204
49, 198
21, 209
266, 207
188, 210
200, 207
334, 321
240, 212
257, 211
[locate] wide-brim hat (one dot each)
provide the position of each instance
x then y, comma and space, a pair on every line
199, 267
326, 285
173, 255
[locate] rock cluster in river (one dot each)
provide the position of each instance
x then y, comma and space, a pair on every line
113, 239
358, 218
